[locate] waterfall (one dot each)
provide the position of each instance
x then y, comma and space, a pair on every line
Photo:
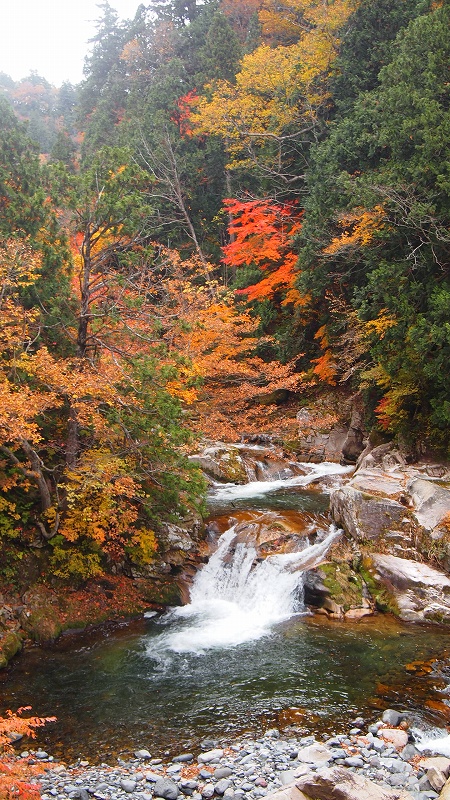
237, 597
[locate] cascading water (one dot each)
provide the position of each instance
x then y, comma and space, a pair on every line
238, 598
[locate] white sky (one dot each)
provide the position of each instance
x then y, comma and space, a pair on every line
50, 36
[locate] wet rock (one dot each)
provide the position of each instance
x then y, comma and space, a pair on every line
392, 717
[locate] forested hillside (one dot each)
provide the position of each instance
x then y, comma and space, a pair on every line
241, 197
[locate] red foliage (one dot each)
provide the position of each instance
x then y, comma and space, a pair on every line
261, 233
182, 115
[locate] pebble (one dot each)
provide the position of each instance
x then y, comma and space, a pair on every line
246, 770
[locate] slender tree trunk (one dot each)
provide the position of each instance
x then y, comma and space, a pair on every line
36, 474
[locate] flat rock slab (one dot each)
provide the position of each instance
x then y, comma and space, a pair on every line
338, 783
431, 502
421, 592
363, 515
404, 573
316, 754
439, 762
375, 481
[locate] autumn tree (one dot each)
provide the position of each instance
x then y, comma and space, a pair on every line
269, 117
215, 344
378, 210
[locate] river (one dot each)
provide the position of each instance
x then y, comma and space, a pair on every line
242, 656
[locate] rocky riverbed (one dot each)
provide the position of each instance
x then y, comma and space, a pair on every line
377, 763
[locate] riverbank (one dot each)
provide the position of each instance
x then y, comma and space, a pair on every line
381, 761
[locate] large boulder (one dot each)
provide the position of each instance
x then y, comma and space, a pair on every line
385, 494
365, 516
339, 783
320, 437
421, 593
431, 502
354, 442
222, 462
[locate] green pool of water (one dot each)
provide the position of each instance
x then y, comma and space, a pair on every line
110, 695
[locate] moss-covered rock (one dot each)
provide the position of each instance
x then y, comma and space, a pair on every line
10, 644
344, 586
384, 599
222, 463
160, 592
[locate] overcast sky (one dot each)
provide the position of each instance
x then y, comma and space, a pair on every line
50, 36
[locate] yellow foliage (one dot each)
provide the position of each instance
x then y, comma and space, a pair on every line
98, 494
381, 324
144, 546
358, 229
277, 88
293, 18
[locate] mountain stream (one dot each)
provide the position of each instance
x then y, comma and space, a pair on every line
242, 656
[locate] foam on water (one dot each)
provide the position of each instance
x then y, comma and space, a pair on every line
436, 740
233, 491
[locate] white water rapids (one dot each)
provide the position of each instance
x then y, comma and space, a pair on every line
234, 491
237, 597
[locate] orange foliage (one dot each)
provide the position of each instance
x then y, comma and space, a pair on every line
15, 776
326, 368
213, 345
182, 115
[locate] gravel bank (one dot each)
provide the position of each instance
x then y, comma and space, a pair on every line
248, 769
